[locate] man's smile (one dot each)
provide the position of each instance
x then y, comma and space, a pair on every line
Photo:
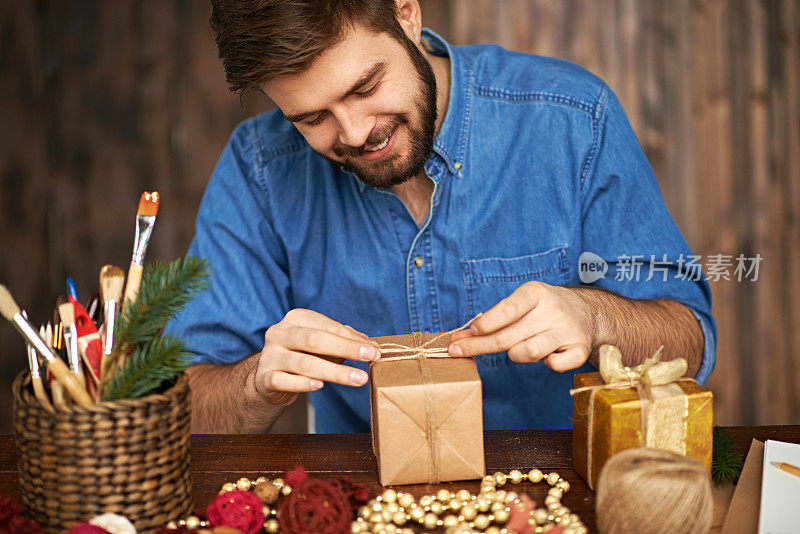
381, 149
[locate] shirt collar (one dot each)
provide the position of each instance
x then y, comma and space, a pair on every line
451, 142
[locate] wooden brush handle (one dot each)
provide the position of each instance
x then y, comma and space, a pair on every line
133, 284
62, 374
38, 390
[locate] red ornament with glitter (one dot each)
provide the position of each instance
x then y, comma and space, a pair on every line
237, 509
314, 506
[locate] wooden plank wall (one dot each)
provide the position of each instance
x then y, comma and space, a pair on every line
101, 100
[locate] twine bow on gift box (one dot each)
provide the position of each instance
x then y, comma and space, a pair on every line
664, 405
421, 352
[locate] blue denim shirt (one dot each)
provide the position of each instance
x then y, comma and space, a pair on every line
534, 164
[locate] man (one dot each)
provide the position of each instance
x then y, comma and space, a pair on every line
407, 185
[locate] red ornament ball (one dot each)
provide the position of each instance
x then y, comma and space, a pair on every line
314, 506
86, 528
237, 509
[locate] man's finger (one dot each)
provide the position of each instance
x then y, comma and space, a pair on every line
325, 343
461, 334
508, 310
283, 381
498, 341
535, 347
311, 319
571, 358
312, 367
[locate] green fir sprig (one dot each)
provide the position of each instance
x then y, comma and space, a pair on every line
726, 460
147, 360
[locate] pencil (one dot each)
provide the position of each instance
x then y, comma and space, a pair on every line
789, 468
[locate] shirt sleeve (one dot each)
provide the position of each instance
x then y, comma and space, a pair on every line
626, 223
249, 282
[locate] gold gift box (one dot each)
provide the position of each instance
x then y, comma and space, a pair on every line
427, 417
617, 424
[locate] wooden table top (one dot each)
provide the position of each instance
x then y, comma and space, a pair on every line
217, 459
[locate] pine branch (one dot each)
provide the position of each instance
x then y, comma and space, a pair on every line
727, 460
149, 366
166, 289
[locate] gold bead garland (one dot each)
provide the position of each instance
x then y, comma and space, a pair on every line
458, 513
465, 513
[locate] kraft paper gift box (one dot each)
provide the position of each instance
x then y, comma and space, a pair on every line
427, 413
675, 416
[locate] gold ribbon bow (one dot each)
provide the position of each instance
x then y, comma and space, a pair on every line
663, 402
421, 352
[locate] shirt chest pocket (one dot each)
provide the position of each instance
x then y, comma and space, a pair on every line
490, 280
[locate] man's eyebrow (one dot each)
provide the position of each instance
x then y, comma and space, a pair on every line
364, 79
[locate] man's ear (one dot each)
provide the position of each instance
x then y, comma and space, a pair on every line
409, 14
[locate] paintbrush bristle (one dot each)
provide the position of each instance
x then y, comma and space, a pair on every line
112, 282
67, 312
148, 204
8, 308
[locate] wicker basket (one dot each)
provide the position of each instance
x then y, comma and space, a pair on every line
130, 457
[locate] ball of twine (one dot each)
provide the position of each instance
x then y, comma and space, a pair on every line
651, 491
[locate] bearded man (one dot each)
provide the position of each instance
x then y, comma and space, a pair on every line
404, 184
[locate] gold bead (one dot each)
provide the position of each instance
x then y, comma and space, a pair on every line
358, 527
417, 513
463, 495
243, 484
278, 482
430, 521
272, 526
499, 496
260, 480
553, 478
407, 531
501, 516
386, 515
556, 492
484, 502
405, 500
493, 530
228, 486
535, 475
286, 490
488, 479
553, 506
443, 495
515, 476
500, 478
481, 522
437, 507
511, 496
265, 510
426, 500
399, 518
377, 507
498, 506
389, 495
563, 486
393, 507
192, 522
364, 512
172, 525
450, 521
469, 512
540, 516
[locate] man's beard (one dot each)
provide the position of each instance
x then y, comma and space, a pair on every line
388, 171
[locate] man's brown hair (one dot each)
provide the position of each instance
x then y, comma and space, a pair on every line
259, 40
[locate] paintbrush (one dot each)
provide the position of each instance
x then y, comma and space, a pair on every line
33, 367
10, 310
145, 221
89, 345
112, 281
67, 313
36, 377
56, 343
94, 307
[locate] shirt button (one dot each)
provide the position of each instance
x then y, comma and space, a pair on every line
418, 261
457, 166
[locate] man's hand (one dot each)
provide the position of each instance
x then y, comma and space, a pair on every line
537, 322
305, 350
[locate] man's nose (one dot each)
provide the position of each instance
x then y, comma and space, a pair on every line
354, 128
